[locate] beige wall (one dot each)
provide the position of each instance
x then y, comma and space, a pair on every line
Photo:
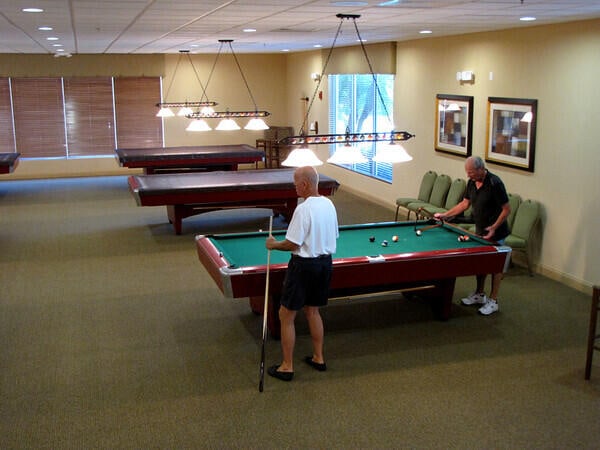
557, 65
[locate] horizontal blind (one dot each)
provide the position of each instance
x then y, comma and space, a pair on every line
89, 116
39, 117
7, 139
135, 109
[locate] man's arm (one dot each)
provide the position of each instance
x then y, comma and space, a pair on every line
455, 210
501, 217
285, 245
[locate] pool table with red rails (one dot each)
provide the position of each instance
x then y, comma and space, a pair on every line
237, 263
188, 194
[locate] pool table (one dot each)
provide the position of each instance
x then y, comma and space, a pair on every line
433, 260
186, 159
8, 162
188, 194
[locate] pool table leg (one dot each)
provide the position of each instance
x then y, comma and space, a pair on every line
441, 298
257, 305
175, 215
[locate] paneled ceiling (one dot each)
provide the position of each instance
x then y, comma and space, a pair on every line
168, 26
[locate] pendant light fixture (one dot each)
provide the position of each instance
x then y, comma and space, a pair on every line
185, 107
228, 122
388, 148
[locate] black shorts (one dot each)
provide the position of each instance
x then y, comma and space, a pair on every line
306, 282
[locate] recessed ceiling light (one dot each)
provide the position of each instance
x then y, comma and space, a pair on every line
363, 40
389, 2
527, 19
52, 38
317, 46
57, 45
249, 30
285, 50
44, 28
32, 10
60, 49
425, 32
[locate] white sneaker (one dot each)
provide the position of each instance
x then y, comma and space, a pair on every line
475, 299
489, 308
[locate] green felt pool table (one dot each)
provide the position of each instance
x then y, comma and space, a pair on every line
433, 260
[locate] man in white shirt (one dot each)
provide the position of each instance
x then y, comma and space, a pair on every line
311, 237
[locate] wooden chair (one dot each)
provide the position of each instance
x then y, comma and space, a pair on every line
593, 338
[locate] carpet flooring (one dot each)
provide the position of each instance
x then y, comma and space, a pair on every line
114, 336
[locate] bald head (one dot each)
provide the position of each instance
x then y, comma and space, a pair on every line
306, 179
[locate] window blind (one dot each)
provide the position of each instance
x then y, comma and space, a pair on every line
89, 116
137, 124
39, 117
7, 140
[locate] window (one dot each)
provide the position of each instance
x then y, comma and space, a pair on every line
89, 116
355, 104
54, 117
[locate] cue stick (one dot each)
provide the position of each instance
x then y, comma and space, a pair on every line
430, 227
265, 308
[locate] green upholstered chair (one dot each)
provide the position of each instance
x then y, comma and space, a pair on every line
514, 200
454, 197
437, 198
424, 192
526, 221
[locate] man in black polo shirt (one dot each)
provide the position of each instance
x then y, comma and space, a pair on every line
487, 196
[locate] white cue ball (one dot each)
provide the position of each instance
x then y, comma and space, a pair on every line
419, 232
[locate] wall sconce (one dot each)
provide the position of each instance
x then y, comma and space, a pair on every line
465, 75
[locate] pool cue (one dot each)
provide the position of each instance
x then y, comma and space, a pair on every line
430, 227
265, 308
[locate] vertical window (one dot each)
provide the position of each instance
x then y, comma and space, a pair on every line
135, 110
89, 116
7, 138
355, 105
39, 117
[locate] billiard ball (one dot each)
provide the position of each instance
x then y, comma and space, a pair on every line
460, 239
372, 239
384, 244
465, 238
395, 238
419, 232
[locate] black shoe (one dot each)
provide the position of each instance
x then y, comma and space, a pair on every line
321, 367
283, 376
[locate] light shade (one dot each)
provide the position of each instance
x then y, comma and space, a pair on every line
164, 112
347, 154
256, 124
184, 111
391, 152
301, 157
198, 125
227, 125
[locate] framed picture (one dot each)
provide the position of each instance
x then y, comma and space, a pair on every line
511, 132
454, 124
